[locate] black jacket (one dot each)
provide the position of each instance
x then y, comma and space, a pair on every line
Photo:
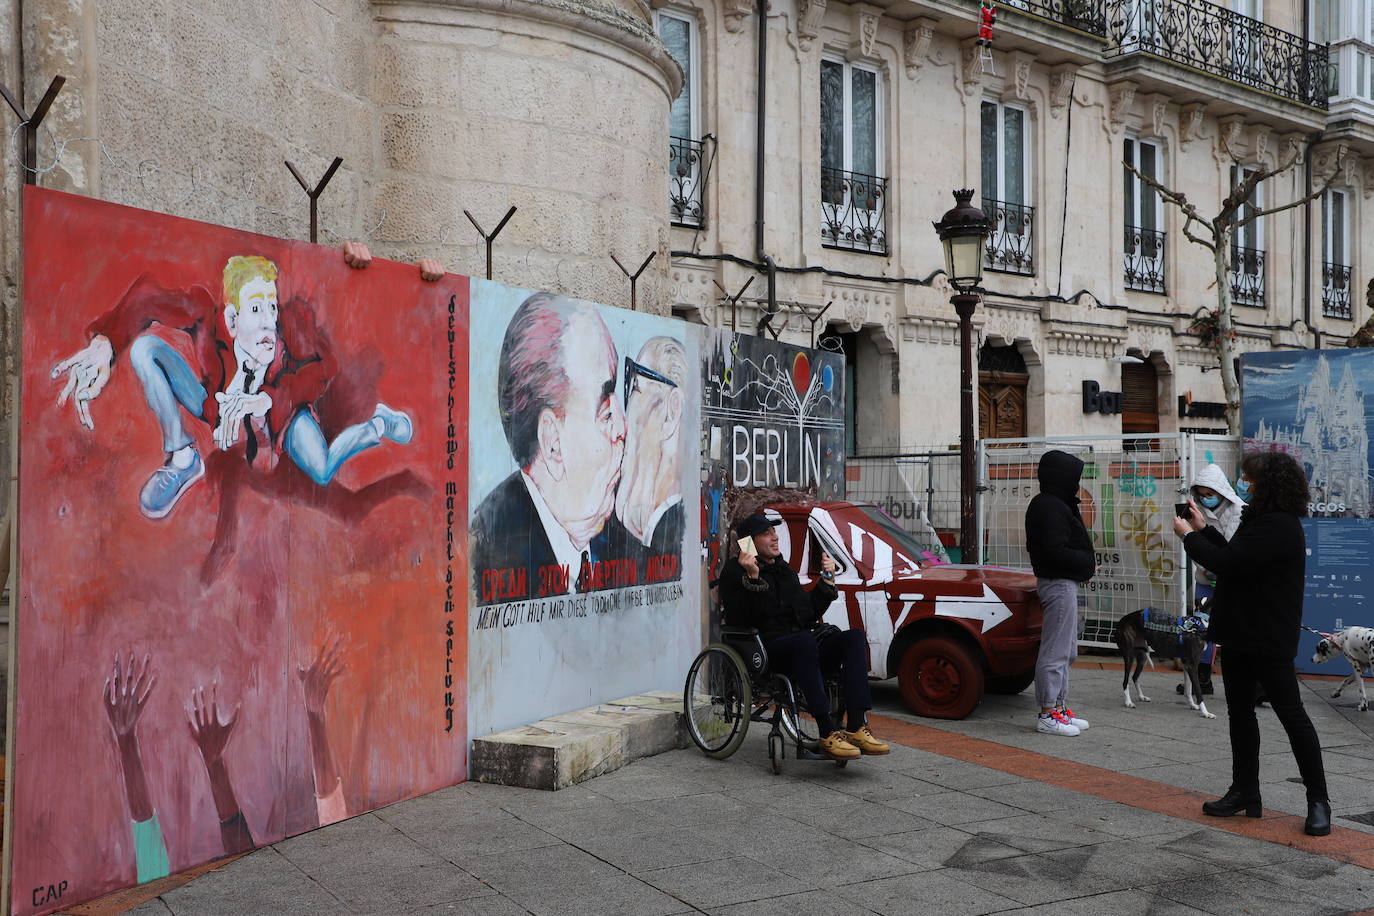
775, 603
1260, 573
1056, 538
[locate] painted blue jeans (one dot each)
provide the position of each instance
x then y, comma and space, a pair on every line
169, 384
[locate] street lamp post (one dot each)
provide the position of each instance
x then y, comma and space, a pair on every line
964, 233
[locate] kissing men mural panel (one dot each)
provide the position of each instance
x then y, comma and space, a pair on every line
246, 448
583, 463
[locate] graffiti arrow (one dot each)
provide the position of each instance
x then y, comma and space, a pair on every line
990, 609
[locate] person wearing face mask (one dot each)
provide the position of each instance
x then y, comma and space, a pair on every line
1221, 508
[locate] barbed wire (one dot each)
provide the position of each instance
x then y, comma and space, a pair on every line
149, 173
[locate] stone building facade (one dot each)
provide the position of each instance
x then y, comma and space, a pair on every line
575, 112
1089, 275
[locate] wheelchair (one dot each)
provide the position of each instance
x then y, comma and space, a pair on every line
730, 685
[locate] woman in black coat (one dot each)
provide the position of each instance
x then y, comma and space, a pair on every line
1256, 616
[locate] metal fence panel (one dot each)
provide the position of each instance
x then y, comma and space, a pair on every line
1129, 488
920, 489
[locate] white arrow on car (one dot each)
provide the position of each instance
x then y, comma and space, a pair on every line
990, 609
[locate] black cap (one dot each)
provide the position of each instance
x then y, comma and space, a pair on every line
755, 524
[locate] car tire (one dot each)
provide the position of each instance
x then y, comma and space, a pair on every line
940, 678
1009, 684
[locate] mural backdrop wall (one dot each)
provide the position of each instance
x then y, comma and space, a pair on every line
584, 461
284, 550
232, 623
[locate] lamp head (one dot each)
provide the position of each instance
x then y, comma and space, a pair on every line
964, 232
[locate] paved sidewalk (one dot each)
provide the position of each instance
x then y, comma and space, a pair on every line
978, 816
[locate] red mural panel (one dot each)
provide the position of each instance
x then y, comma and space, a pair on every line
239, 482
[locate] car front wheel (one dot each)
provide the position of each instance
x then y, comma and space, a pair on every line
940, 678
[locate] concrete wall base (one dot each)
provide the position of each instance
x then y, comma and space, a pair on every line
562, 750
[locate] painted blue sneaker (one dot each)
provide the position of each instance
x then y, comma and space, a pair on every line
396, 425
165, 487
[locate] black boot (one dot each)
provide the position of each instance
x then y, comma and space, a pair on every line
1234, 802
1318, 819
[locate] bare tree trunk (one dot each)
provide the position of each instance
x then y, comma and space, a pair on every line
1230, 386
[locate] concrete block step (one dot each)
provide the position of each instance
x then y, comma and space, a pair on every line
570, 747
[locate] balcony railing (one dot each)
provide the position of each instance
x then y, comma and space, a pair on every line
853, 211
685, 182
1247, 276
1144, 260
1335, 290
1010, 248
1217, 40
1085, 15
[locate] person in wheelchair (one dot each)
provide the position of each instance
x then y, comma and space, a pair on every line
763, 592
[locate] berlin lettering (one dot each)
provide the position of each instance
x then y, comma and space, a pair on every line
768, 457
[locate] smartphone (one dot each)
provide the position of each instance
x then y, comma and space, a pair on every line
746, 547
1183, 511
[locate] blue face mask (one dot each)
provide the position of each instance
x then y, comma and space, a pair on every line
1243, 489
1210, 502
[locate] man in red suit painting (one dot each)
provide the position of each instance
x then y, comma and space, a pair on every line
257, 370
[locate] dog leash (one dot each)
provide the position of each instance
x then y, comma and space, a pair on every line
1317, 633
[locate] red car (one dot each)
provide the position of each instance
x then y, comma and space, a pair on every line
947, 632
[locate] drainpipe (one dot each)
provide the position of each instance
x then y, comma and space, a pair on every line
760, 168
1307, 242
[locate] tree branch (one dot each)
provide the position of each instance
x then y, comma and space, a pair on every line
1340, 158
1178, 199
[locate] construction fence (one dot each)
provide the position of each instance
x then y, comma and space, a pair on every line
1129, 488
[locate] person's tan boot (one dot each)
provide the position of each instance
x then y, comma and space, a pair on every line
867, 744
837, 746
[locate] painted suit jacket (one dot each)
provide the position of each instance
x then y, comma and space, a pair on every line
299, 373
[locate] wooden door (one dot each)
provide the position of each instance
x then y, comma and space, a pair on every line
1001, 405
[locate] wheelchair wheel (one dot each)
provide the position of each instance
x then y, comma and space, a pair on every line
717, 701
797, 726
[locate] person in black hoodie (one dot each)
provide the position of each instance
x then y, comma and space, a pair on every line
1062, 556
1256, 616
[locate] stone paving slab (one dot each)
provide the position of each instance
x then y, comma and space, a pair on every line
979, 816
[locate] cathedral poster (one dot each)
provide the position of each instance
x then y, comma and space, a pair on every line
1317, 405
242, 549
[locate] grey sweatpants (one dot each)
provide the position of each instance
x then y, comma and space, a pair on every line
1058, 640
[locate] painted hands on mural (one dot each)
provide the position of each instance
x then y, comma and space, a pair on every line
87, 372
203, 719
323, 671
233, 408
127, 692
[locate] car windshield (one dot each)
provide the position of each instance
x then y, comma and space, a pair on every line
931, 553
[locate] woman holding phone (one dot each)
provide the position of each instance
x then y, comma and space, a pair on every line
1256, 616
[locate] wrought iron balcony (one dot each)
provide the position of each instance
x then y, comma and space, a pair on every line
1217, 40
1335, 290
1010, 247
686, 182
1084, 15
1247, 276
853, 211
1144, 260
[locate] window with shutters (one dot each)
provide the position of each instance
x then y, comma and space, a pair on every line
1140, 398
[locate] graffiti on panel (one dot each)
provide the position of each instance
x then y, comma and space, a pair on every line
1313, 406
583, 465
239, 442
772, 417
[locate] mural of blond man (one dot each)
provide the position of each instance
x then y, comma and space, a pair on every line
256, 370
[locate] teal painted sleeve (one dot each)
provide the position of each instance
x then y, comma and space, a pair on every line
149, 850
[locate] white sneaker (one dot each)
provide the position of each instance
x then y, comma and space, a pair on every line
1053, 723
1080, 724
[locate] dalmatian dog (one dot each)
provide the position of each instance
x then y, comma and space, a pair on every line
1357, 645
1141, 635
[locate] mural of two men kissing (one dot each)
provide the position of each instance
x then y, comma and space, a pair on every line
233, 470
585, 457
